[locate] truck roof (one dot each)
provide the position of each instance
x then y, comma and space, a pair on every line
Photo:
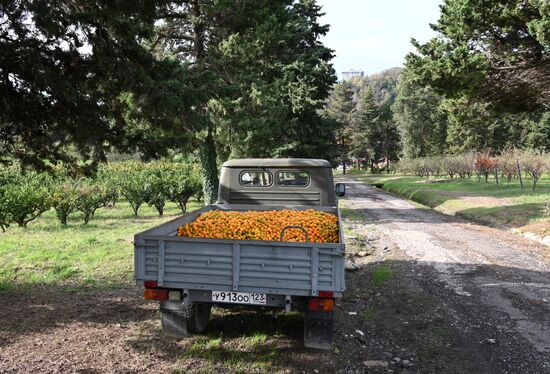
276, 162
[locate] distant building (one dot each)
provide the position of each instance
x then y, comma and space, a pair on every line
347, 75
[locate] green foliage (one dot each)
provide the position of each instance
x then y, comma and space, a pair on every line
7, 175
365, 132
432, 124
384, 85
5, 215
341, 109
184, 181
421, 119
109, 177
383, 136
66, 71
91, 196
64, 199
260, 75
131, 182
26, 197
155, 178
23, 197
496, 51
209, 169
538, 132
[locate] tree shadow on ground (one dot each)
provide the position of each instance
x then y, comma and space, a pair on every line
410, 313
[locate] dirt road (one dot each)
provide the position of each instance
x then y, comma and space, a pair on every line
430, 294
462, 298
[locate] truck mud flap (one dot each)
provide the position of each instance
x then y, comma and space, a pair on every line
318, 329
179, 321
173, 319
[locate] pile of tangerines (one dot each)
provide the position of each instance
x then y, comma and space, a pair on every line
255, 225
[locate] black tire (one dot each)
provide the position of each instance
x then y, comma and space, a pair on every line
198, 316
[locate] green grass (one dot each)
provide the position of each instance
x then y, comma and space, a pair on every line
381, 275
261, 345
350, 214
242, 354
99, 254
504, 204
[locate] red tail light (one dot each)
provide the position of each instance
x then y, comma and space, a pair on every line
327, 294
155, 294
323, 305
150, 284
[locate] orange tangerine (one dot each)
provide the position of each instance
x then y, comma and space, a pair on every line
321, 227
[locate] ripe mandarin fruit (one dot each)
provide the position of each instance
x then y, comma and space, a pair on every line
321, 227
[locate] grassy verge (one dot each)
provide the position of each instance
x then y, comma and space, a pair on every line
503, 205
99, 254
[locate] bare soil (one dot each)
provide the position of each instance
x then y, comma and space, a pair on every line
431, 294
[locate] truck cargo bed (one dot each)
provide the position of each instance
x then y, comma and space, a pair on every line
271, 267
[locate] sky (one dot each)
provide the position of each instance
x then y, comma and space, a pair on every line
374, 35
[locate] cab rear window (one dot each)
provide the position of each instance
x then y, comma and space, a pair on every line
292, 178
256, 178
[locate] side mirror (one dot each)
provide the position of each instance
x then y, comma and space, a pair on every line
340, 189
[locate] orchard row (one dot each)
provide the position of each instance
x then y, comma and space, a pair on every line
25, 196
512, 164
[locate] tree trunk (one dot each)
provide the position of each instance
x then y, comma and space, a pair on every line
209, 168
208, 154
343, 143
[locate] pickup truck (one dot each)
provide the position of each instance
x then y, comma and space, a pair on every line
190, 275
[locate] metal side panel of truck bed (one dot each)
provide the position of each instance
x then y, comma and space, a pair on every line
284, 268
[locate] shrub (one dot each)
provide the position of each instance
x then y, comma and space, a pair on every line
465, 163
156, 179
64, 199
450, 166
91, 196
484, 165
26, 197
534, 166
507, 164
109, 176
132, 185
6, 177
5, 215
184, 181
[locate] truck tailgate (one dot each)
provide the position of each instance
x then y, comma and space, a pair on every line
246, 266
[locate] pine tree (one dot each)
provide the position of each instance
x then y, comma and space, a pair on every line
496, 51
341, 109
365, 130
420, 118
261, 73
70, 73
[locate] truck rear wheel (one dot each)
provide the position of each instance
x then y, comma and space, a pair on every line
179, 321
198, 316
318, 329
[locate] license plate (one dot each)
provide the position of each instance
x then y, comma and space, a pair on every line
239, 297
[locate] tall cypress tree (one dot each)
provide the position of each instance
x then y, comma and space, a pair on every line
341, 109
262, 74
